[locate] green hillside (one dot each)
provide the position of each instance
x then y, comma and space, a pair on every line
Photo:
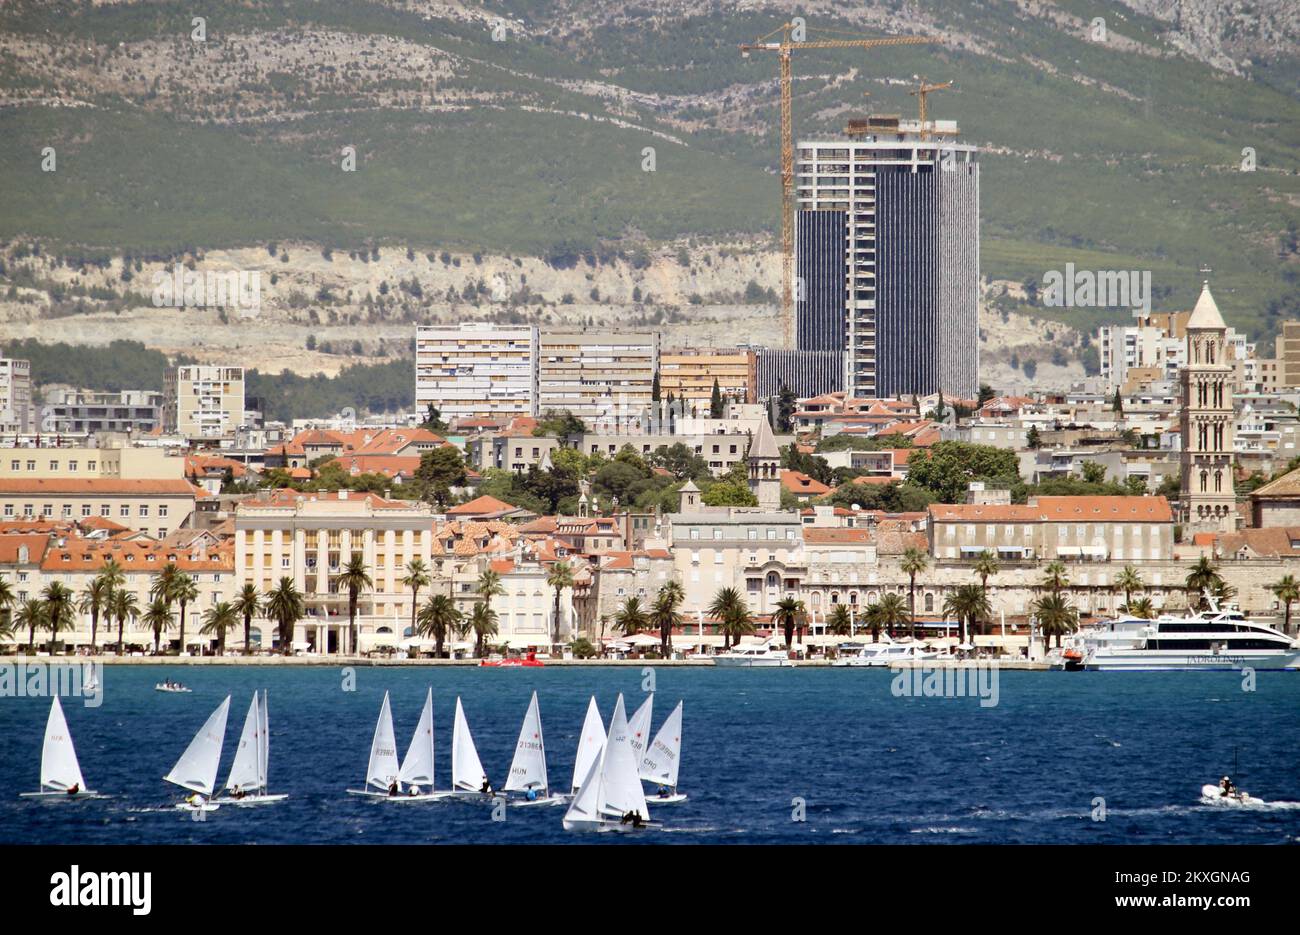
1104, 157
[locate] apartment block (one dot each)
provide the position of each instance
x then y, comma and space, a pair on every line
85, 412
1288, 355
476, 370
154, 506
310, 538
17, 413
596, 376
83, 462
204, 403
688, 373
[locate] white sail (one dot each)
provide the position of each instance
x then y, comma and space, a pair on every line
466, 770
417, 765
590, 743
59, 767
246, 771
382, 770
197, 767
620, 786
264, 738
661, 758
528, 769
585, 807
638, 728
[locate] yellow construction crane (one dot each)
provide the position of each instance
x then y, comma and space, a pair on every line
922, 91
784, 46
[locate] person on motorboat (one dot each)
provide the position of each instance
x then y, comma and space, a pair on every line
1226, 787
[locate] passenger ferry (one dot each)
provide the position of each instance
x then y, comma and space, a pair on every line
1213, 639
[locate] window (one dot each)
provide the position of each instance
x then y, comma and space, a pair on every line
144, 509
47, 510
124, 511
90, 466
28, 510
72, 465
54, 465
105, 510
85, 509
162, 510
31, 465
9, 509
15, 465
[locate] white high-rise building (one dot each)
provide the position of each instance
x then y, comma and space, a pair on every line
476, 370
17, 414
596, 376
204, 402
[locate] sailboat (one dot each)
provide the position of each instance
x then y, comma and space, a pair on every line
247, 782
590, 744
611, 788
382, 770
196, 770
467, 776
638, 728
417, 765
60, 772
528, 768
662, 759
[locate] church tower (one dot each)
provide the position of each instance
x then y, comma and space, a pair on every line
765, 468
1208, 502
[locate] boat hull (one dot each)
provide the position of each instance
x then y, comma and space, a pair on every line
86, 794
666, 799
1212, 795
250, 800
1158, 661
205, 807
758, 663
549, 800
401, 796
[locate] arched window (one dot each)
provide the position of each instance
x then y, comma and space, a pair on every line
929, 603
1218, 482
817, 598
1205, 478
853, 598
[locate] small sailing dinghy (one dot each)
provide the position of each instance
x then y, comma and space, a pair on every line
196, 770
528, 769
590, 744
247, 783
467, 777
381, 772
417, 766
610, 797
60, 772
662, 758
638, 728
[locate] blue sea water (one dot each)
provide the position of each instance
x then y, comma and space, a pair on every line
870, 767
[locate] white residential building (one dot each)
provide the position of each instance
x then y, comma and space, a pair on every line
17, 414
476, 370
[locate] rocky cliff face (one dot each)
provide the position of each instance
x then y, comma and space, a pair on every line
1228, 34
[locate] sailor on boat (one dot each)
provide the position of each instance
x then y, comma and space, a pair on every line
486, 788
195, 799
237, 793
73, 789
413, 791
392, 788
1226, 785
663, 792
633, 817
531, 795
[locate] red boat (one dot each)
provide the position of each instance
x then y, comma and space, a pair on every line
531, 661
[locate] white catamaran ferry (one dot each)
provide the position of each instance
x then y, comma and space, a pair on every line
1217, 638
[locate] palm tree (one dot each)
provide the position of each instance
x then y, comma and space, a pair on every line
1054, 579
157, 618
1287, 591
1203, 577
967, 604
888, 612
1055, 616
6, 600
416, 577
1142, 607
489, 586
986, 565
285, 606
664, 616
483, 620
217, 619
164, 582
437, 618
560, 577
738, 623
59, 601
248, 604
913, 563
789, 611
98, 594
356, 579
727, 604
631, 617
839, 622
32, 615
122, 605
1128, 581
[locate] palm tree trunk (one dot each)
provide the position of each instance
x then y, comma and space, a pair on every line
1287, 623
414, 603
31, 639
94, 627
182, 649
437, 643
352, 621
121, 622
54, 632
911, 602
248, 634
555, 619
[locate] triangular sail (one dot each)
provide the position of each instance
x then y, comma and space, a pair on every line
382, 770
264, 738
620, 786
528, 769
466, 769
417, 765
197, 767
638, 728
590, 743
59, 767
246, 771
586, 803
661, 757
